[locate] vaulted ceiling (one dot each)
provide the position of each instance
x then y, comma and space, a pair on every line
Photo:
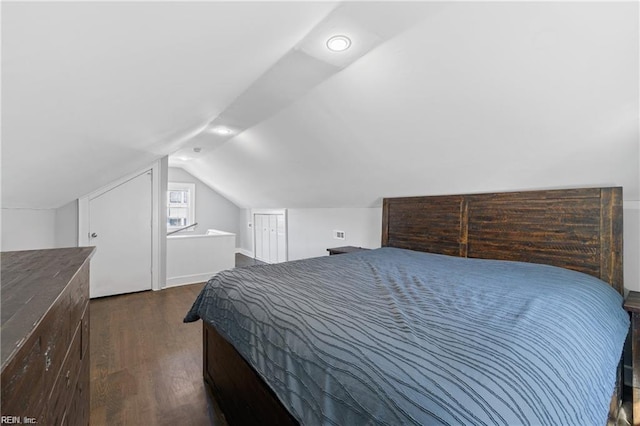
431, 98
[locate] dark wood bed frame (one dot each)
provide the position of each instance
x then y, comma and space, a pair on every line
579, 229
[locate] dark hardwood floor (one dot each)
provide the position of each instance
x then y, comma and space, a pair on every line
146, 364
242, 260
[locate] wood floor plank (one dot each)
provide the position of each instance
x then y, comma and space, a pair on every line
146, 364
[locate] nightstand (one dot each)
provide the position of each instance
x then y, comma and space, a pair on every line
345, 249
632, 304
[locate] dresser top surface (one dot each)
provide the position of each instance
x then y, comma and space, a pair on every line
30, 282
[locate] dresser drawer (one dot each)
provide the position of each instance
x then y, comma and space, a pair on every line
85, 332
55, 331
29, 376
60, 323
65, 385
78, 295
78, 414
22, 379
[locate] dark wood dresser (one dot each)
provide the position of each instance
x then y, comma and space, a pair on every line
45, 336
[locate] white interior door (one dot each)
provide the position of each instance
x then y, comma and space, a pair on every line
120, 227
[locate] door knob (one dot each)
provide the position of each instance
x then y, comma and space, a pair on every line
94, 235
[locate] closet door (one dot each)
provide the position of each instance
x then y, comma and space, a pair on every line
281, 232
266, 246
257, 231
273, 238
270, 237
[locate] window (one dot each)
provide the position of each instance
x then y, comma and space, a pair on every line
180, 205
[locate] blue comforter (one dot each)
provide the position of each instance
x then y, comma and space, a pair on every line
392, 336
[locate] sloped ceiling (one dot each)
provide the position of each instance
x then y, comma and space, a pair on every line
447, 97
92, 91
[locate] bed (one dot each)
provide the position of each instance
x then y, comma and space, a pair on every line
455, 319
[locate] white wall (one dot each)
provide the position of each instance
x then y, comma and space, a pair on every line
213, 211
30, 229
310, 231
245, 232
27, 229
66, 225
196, 258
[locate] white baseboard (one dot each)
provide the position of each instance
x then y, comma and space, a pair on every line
245, 252
188, 279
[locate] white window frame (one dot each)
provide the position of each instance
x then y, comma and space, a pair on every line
182, 186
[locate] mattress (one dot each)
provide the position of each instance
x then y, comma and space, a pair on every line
392, 336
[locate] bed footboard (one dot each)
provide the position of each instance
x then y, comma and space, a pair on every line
241, 394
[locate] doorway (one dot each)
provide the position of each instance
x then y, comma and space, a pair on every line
119, 223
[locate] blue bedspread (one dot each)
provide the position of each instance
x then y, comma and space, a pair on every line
392, 336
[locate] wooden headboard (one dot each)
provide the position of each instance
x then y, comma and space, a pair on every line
579, 229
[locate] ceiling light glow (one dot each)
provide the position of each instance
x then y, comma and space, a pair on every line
338, 43
221, 130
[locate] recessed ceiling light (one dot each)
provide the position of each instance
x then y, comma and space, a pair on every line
221, 130
338, 43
